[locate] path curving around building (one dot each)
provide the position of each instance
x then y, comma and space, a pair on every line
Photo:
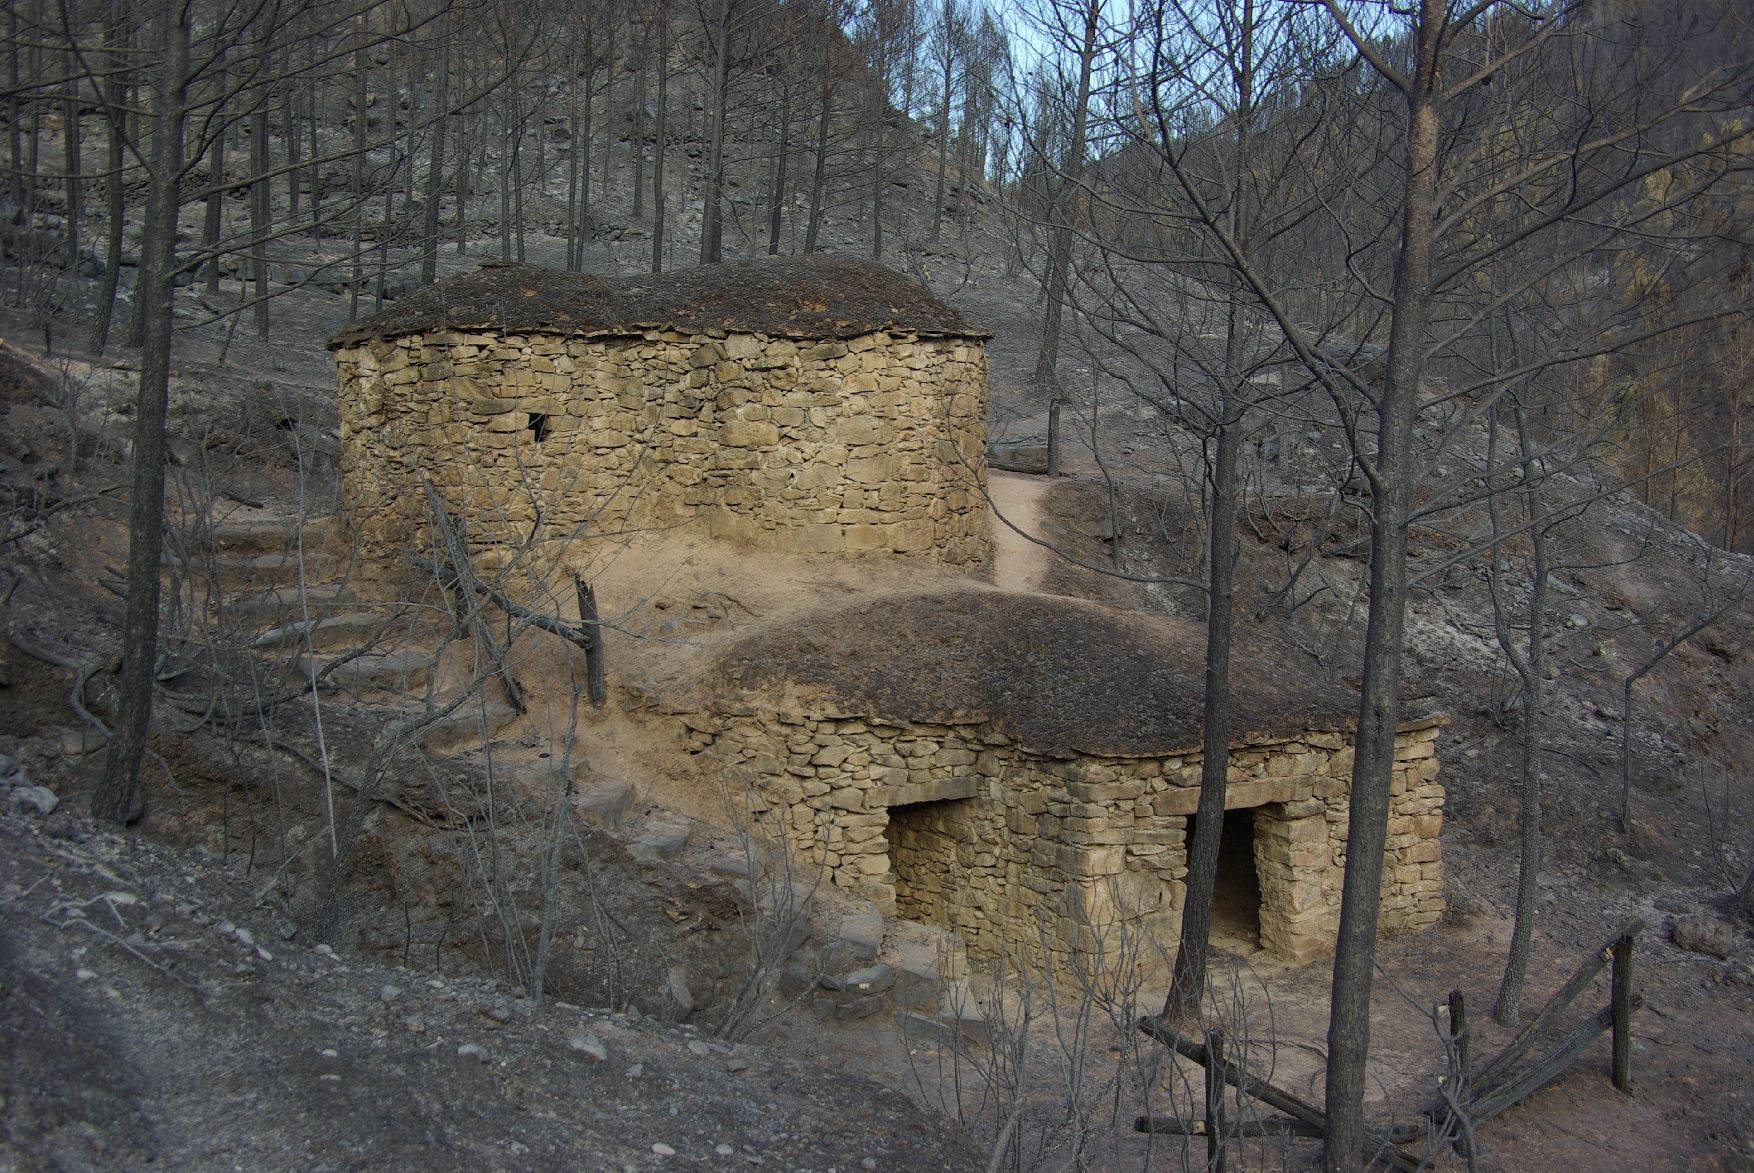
1018, 563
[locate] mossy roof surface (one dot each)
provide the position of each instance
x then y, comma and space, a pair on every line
1059, 675
816, 296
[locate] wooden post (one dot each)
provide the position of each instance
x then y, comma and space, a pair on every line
1458, 1030
1215, 1088
1623, 1013
1461, 1089
595, 686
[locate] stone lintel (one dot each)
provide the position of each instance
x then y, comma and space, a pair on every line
937, 791
1186, 800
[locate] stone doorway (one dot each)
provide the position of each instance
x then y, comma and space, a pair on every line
1236, 896
923, 840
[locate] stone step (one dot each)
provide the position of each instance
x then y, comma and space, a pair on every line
272, 535
257, 571
959, 1018
400, 671
927, 960
283, 603
855, 941
464, 729
349, 629
942, 1031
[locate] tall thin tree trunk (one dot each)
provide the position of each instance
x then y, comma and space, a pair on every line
1046, 377
712, 213
518, 175
289, 111
636, 154
876, 184
15, 109
662, 141
358, 193
435, 167
585, 228
776, 202
466, 180
314, 107
70, 153
572, 158
115, 209
505, 174
1188, 981
1531, 670
1391, 476
119, 796
213, 227
819, 169
944, 132
261, 214
608, 102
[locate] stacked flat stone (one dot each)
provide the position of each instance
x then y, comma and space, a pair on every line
872, 444
1061, 852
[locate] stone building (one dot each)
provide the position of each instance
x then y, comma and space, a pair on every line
1021, 768
805, 404
1024, 768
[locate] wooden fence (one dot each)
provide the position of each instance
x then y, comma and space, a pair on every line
1467, 1095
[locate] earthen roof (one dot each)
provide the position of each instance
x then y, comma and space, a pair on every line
1059, 675
815, 296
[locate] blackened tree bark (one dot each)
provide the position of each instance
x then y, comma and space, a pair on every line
949, 47
114, 91
1188, 980
660, 133
435, 164
119, 797
1071, 178
1529, 660
719, 27
1391, 470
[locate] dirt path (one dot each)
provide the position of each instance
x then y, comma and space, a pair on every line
1018, 564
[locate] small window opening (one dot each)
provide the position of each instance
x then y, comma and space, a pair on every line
538, 426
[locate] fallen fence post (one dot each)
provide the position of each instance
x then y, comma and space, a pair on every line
1525, 1038
1550, 1068
1272, 1096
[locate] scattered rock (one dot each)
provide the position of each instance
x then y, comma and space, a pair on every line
39, 800
663, 1150
388, 993
873, 979
590, 1046
1705, 934
605, 805
662, 841
856, 1009
474, 1051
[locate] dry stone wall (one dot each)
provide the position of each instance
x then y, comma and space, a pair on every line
960, 826
871, 445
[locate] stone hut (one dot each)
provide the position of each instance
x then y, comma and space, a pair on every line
1024, 769
811, 405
